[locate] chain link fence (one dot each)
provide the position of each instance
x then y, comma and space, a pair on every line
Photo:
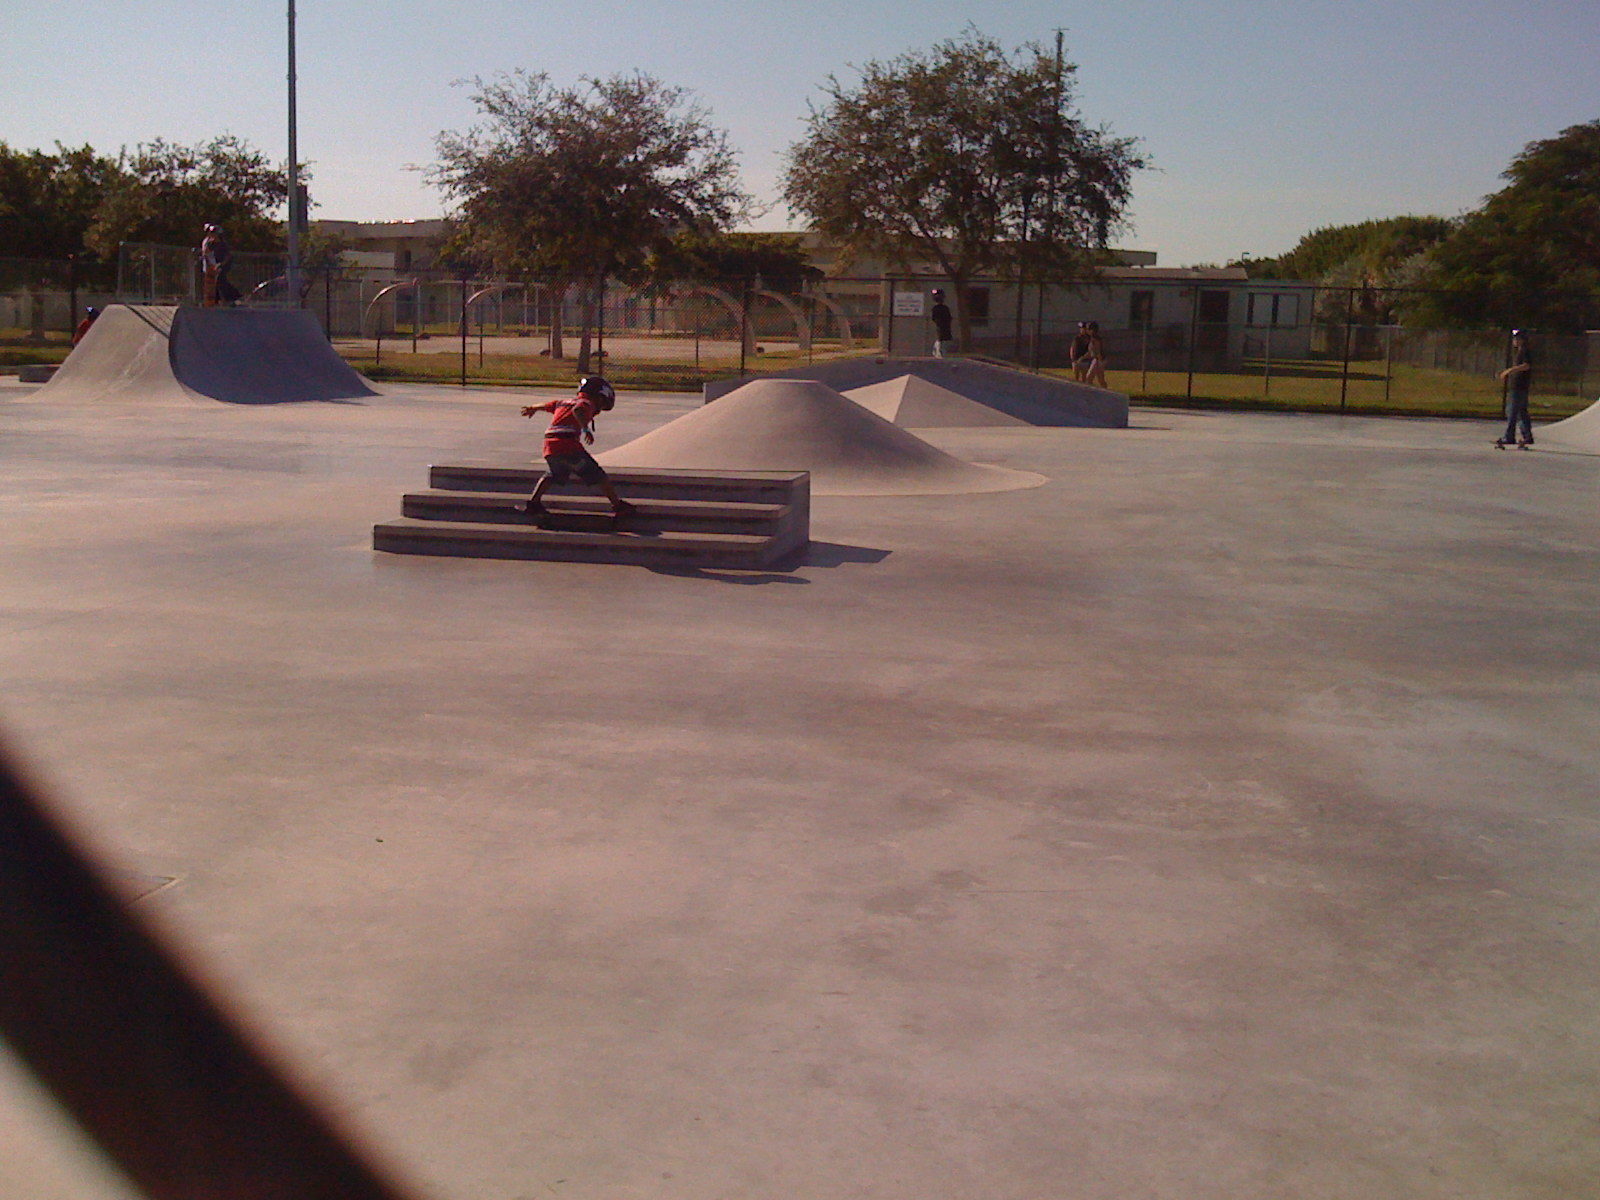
1174, 337
1259, 344
674, 334
151, 274
41, 301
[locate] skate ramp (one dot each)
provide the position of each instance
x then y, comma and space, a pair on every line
176, 355
1581, 431
803, 425
1031, 399
914, 403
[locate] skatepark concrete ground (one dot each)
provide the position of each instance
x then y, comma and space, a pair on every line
1216, 819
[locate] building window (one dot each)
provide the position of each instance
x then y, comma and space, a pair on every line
1273, 310
978, 305
1142, 310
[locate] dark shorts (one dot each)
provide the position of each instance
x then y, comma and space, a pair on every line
582, 464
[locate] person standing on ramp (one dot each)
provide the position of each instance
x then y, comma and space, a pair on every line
216, 259
564, 452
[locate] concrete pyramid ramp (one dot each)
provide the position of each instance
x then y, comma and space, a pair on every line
236, 355
802, 425
1032, 399
1581, 431
916, 403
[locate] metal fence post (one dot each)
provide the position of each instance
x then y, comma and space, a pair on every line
744, 323
1194, 337
1144, 352
886, 316
1349, 325
1038, 325
1266, 365
1388, 362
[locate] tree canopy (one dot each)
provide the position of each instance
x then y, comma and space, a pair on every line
49, 201
165, 192
964, 155
77, 201
1531, 254
1373, 253
587, 181
778, 258
1528, 256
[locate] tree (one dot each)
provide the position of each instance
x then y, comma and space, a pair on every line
587, 182
963, 155
778, 258
1370, 252
166, 193
1360, 266
1531, 254
48, 201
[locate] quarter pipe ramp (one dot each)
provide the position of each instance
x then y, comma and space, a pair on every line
235, 355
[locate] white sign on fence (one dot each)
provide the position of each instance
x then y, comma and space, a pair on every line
908, 304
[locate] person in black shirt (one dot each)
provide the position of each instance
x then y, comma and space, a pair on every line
1519, 378
943, 339
1078, 356
216, 260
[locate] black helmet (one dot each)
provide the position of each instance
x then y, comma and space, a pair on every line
598, 390
91, 311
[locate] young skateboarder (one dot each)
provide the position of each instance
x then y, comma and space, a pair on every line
564, 452
90, 315
216, 260
1519, 380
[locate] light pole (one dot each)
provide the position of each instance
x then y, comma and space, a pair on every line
291, 275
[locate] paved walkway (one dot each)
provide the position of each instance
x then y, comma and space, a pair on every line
1217, 820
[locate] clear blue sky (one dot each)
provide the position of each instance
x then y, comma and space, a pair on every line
1264, 121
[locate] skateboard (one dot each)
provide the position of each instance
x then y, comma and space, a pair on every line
1507, 445
576, 522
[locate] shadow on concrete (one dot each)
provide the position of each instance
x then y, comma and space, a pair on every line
817, 554
745, 578
833, 554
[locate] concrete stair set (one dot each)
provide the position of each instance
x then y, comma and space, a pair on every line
744, 519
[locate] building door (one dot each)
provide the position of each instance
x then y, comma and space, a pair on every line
1212, 339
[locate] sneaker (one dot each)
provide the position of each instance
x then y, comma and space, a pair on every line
623, 509
533, 508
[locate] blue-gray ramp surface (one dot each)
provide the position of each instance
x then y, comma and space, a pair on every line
236, 355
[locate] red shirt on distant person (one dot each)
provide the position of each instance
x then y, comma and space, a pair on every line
89, 317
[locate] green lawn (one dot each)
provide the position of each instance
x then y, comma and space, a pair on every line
1322, 387
666, 374
1303, 386
19, 348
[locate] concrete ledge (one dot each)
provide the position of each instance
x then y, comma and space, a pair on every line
653, 516
465, 540
753, 487
708, 518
